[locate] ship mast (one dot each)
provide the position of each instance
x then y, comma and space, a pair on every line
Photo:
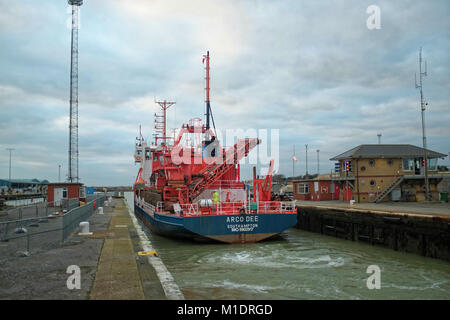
208, 101
161, 120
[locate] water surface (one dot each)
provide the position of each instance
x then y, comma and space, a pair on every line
299, 265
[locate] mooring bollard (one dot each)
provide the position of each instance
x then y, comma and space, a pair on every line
84, 229
100, 210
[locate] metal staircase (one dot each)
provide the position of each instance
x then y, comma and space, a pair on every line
389, 189
213, 172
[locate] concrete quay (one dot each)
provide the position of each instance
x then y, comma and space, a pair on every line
420, 228
108, 260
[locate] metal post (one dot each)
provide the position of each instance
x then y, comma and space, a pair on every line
424, 139
27, 253
318, 162
293, 162
9, 180
306, 146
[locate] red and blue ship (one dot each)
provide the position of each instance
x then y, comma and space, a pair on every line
189, 185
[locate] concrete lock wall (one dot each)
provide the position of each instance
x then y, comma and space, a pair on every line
429, 237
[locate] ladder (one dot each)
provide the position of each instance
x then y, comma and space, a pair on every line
389, 189
213, 172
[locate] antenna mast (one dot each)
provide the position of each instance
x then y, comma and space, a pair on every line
73, 125
208, 105
422, 108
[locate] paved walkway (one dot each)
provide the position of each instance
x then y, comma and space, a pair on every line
433, 209
118, 274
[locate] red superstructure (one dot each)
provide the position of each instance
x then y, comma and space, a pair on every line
192, 173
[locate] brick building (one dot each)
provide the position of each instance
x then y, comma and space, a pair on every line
383, 172
320, 188
60, 191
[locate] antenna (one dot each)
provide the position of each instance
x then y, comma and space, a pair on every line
73, 125
422, 108
207, 89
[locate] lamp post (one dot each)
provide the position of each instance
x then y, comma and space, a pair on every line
10, 150
318, 162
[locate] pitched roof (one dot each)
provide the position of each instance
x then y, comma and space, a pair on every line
386, 151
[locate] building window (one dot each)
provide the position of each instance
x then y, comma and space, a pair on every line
432, 164
408, 164
372, 162
64, 193
303, 188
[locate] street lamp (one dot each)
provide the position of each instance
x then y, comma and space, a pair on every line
10, 150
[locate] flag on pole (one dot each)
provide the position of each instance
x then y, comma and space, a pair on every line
294, 158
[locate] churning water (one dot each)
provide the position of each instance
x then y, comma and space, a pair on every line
299, 265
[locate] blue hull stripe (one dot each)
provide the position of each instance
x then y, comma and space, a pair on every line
220, 224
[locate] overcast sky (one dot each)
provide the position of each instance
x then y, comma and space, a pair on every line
311, 69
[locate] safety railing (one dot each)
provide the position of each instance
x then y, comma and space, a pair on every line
147, 206
190, 209
239, 207
275, 207
231, 207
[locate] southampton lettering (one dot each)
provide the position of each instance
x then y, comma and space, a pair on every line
242, 223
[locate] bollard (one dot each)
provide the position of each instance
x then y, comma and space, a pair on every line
100, 210
352, 202
84, 229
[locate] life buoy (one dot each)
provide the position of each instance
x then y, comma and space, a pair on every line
241, 211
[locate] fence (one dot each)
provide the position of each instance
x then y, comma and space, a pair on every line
72, 219
52, 226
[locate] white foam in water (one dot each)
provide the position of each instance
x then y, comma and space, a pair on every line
242, 286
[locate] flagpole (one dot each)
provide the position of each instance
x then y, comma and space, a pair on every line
293, 162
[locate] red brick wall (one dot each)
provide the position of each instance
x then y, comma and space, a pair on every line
73, 191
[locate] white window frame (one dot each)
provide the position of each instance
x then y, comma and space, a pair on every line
303, 188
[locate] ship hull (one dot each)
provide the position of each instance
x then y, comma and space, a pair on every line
224, 228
